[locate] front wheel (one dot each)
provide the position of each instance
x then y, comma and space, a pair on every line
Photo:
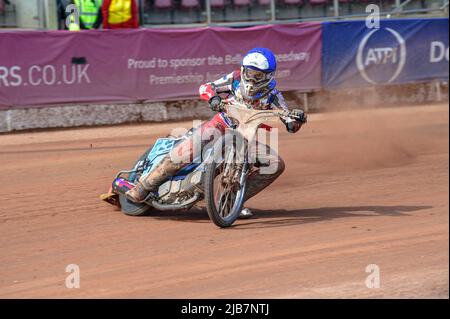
224, 192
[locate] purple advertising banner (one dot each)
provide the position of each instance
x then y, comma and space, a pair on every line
41, 68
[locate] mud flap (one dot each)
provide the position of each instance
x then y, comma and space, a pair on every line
111, 197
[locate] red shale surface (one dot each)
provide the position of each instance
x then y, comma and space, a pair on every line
361, 187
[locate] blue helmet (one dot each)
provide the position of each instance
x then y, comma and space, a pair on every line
257, 71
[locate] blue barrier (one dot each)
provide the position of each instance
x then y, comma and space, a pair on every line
400, 51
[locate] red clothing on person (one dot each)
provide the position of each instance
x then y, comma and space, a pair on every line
120, 14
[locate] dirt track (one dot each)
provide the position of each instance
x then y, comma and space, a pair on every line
366, 187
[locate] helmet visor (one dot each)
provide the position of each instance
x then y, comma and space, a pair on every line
254, 76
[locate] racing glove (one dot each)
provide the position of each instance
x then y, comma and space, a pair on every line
215, 103
299, 116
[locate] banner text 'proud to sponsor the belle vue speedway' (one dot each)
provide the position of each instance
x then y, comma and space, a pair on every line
38, 68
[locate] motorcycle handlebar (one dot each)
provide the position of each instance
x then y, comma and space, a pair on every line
219, 104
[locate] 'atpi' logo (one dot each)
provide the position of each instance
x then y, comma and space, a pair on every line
383, 63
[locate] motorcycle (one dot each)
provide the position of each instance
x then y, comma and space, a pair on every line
219, 178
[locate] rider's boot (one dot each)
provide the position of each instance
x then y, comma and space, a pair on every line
245, 213
151, 182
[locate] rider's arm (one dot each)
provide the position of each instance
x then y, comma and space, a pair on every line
222, 85
292, 126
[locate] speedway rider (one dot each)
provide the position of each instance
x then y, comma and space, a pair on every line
253, 85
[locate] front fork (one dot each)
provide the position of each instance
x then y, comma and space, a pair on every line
244, 174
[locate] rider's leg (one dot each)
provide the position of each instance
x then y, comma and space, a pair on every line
151, 182
176, 159
179, 157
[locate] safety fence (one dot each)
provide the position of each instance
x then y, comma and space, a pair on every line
149, 65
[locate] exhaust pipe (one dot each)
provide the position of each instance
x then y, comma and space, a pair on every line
186, 204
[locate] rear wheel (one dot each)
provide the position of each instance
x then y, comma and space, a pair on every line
131, 208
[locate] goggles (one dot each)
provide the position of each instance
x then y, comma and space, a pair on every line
255, 75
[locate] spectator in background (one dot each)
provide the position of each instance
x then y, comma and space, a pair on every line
89, 13
120, 14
